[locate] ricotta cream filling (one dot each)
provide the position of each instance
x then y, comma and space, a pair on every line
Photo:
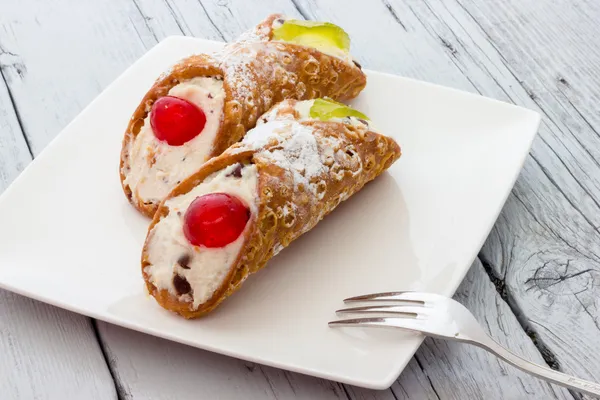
206, 268
155, 167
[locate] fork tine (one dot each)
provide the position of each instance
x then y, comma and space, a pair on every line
409, 297
401, 323
396, 310
385, 296
374, 296
357, 321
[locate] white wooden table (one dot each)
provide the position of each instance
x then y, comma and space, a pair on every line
535, 285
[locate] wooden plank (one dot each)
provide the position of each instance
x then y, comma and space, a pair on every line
46, 352
220, 20
165, 17
151, 368
49, 353
390, 40
14, 154
545, 248
62, 54
52, 73
232, 17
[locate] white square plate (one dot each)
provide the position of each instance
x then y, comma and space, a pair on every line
68, 237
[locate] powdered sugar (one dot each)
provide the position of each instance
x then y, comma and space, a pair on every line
237, 68
293, 147
263, 133
300, 154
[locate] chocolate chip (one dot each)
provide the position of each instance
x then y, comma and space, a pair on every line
183, 261
210, 96
363, 121
237, 171
179, 213
357, 64
281, 21
183, 159
182, 286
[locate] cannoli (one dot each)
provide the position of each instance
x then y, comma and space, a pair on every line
243, 207
205, 103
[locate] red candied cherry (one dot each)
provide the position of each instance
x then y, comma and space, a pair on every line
176, 121
215, 220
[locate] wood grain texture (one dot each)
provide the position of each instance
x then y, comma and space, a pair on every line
56, 56
14, 153
45, 352
62, 54
151, 368
544, 248
546, 245
49, 353
460, 371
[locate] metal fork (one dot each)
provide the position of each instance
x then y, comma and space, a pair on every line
441, 317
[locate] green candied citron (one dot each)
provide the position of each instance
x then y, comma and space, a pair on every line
313, 34
325, 109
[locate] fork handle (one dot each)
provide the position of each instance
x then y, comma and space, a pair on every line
540, 371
